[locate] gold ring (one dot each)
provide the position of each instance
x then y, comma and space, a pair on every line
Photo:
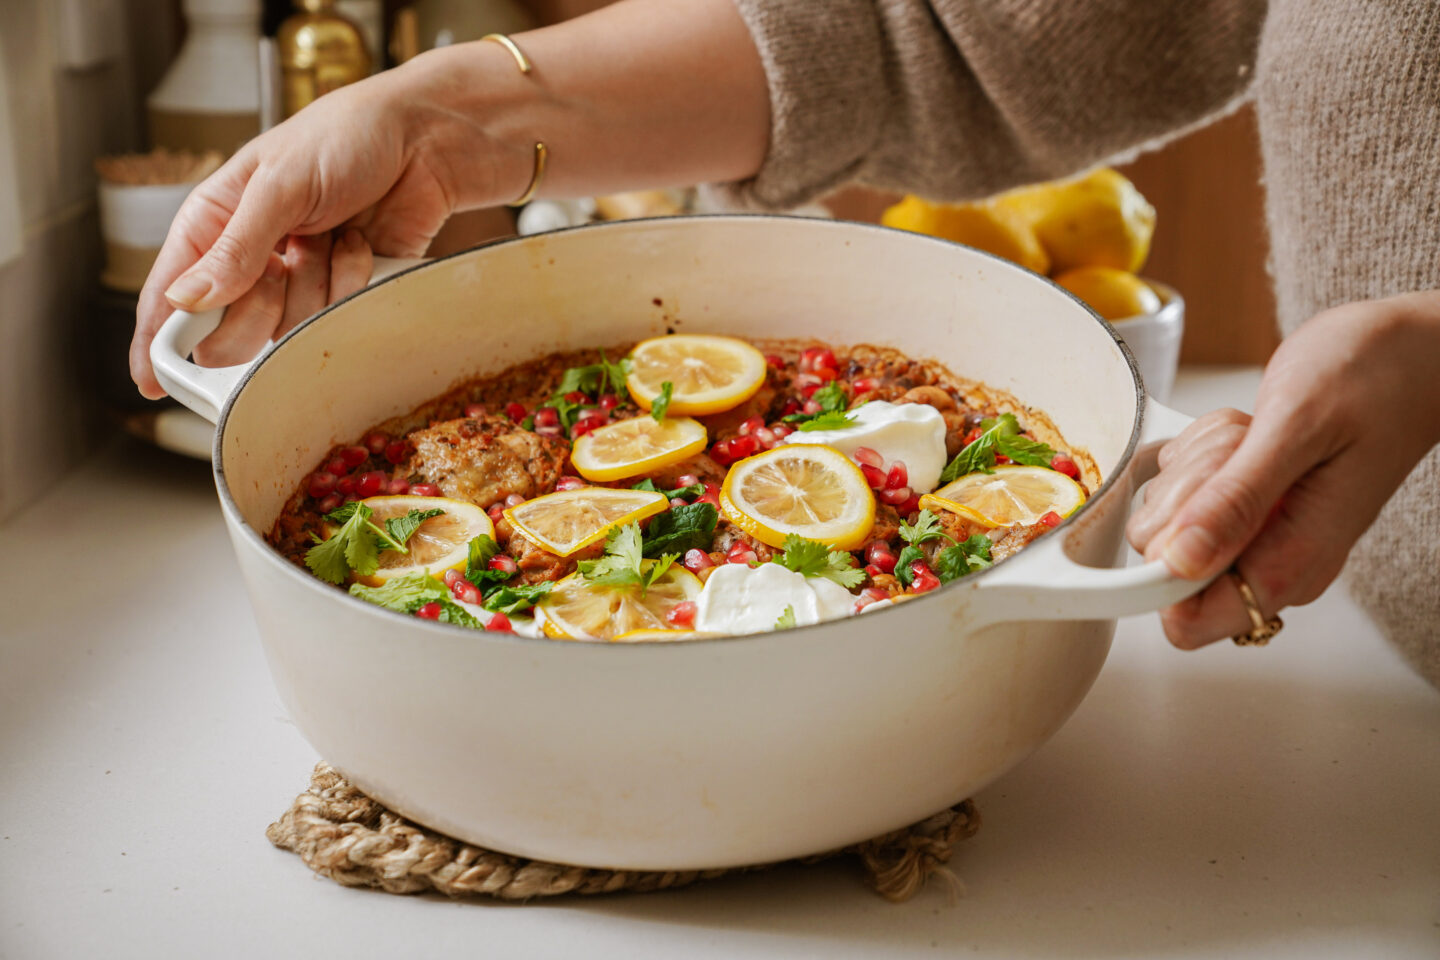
1261, 629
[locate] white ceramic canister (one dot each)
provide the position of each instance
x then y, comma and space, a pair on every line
210, 98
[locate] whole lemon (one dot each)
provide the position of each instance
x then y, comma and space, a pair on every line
1114, 294
985, 226
1099, 220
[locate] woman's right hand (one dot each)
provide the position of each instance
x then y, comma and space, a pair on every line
385, 159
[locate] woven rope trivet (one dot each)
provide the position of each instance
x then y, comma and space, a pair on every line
342, 834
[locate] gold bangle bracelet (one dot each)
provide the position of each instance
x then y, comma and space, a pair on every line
542, 152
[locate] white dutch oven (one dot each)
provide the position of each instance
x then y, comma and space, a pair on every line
709, 753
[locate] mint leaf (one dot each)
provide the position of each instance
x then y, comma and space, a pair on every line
1023, 450
405, 594
682, 528
830, 420
660, 404
517, 598
811, 559
786, 620
694, 490
963, 558
978, 456
907, 556
477, 563
452, 612
646, 484
401, 529
926, 528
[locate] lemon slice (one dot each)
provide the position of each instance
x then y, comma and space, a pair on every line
576, 609
570, 520
808, 489
437, 544
661, 636
635, 446
1009, 496
709, 374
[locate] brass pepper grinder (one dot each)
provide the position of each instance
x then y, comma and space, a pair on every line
319, 51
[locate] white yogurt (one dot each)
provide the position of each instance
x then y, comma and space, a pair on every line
912, 432
738, 598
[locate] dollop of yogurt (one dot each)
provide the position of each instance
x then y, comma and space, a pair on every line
912, 432
738, 598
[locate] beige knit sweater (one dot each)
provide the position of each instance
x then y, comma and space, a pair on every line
956, 99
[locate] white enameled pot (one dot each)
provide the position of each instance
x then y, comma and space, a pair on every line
709, 753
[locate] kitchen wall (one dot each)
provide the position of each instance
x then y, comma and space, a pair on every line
69, 96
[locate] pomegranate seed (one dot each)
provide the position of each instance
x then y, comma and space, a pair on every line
1051, 519
866, 385
452, 577
354, 456
345, 485
826, 373
972, 436
791, 406
782, 430
396, 450
466, 592
811, 406
682, 614
1063, 464
474, 411
1001, 458
867, 455
376, 443
321, 484
581, 428
547, 417
515, 411
741, 552
744, 446
697, 560
608, 402
424, 490
496, 512
338, 467
331, 502
872, 571
710, 496
514, 500
370, 484
909, 506
751, 425
880, 554
500, 624
874, 476
678, 502
895, 497
398, 487
924, 579
767, 438
569, 483
875, 593
554, 431
775, 360
825, 360
804, 380
817, 358
503, 563
898, 476
686, 480
592, 413
724, 453
430, 611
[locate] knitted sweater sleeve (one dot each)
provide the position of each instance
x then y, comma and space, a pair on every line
956, 99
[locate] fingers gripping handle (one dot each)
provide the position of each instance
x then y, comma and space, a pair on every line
206, 389
1044, 583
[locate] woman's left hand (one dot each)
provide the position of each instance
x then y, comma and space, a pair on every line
1349, 404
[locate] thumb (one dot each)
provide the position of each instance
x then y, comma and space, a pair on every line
1224, 514
268, 209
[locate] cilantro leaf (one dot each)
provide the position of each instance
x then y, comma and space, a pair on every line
786, 620
831, 397
646, 484
401, 529
660, 404
620, 566
516, 598
909, 555
925, 529
580, 379
613, 375
996, 436
657, 569
405, 594
963, 558
813, 559
829, 420
352, 547
681, 528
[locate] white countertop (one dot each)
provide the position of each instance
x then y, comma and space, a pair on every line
1282, 802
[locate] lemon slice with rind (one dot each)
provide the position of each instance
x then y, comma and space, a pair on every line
570, 520
808, 489
1011, 495
708, 374
576, 609
438, 544
637, 446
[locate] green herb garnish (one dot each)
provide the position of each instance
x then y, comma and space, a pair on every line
694, 490
357, 544
786, 620
813, 559
925, 528
661, 403
998, 436
516, 598
624, 563
829, 420
962, 559
687, 527
831, 398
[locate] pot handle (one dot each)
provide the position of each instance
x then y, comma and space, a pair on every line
1044, 583
205, 389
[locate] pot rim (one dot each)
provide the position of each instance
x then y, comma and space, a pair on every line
253, 536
